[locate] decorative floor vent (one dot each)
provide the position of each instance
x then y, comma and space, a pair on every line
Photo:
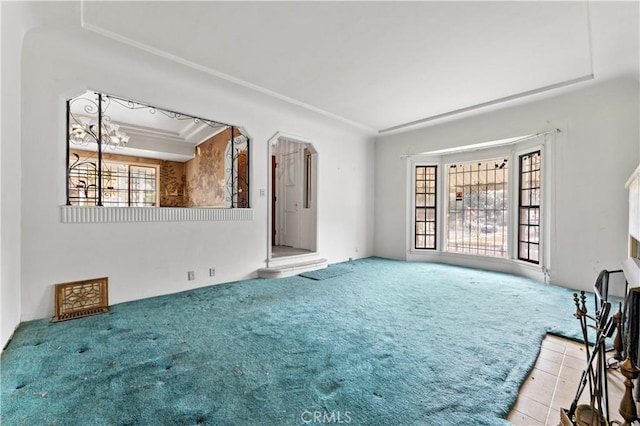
81, 299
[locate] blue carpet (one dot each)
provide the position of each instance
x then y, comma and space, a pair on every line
331, 271
392, 343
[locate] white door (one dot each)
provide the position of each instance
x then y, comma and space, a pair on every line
292, 202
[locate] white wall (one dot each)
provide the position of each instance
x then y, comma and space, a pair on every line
597, 152
148, 259
15, 19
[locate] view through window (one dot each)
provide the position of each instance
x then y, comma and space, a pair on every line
477, 208
482, 213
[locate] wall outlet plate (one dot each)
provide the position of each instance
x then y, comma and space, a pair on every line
212, 272
191, 275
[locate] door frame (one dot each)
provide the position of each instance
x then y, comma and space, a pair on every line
271, 218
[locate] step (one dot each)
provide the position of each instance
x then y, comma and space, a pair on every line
296, 258
291, 269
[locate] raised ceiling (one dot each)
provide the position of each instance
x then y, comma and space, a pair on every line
153, 132
385, 65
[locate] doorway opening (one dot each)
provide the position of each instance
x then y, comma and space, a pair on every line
293, 196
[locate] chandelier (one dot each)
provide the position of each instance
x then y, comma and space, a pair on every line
85, 131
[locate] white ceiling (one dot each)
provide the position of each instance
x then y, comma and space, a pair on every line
382, 65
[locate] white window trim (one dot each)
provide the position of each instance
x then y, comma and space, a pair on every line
511, 263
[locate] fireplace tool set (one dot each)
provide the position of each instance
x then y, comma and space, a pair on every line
596, 412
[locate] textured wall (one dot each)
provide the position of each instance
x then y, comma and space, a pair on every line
205, 173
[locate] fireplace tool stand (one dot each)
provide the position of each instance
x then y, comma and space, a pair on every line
596, 413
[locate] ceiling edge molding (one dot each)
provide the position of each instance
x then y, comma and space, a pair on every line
161, 53
489, 103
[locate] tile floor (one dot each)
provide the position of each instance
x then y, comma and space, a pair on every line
553, 382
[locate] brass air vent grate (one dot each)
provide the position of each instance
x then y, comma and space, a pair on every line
81, 299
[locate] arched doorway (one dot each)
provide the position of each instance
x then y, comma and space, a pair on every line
293, 197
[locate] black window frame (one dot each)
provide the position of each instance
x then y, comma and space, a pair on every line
529, 207
425, 208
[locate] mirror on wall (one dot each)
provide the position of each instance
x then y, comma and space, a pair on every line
128, 154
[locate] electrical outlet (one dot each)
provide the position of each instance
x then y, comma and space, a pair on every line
191, 275
212, 272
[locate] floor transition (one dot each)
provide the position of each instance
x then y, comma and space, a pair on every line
553, 382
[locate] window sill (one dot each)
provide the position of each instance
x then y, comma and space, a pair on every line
94, 214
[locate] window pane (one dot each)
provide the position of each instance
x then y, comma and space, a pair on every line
535, 197
534, 216
431, 228
524, 215
143, 186
431, 200
431, 215
430, 241
534, 234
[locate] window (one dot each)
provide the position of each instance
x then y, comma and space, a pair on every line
122, 184
425, 207
491, 205
529, 208
478, 208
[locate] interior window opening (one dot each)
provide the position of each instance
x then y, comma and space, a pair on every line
124, 153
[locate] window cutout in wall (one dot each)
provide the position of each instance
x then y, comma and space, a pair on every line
425, 210
529, 208
478, 208
149, 156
